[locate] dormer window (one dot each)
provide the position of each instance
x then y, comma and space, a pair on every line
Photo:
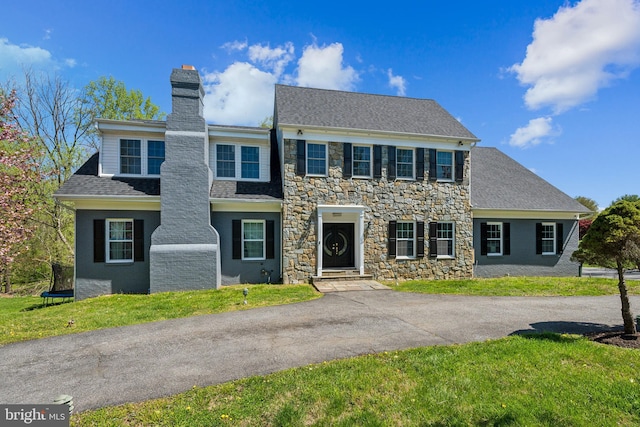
141, 157
242, 162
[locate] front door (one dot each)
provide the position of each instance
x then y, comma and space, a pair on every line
338, 247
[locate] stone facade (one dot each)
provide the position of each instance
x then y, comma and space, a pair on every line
383, 201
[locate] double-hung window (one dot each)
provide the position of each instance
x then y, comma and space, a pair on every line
130, 156
404, 163
119, 234
444, 165
250, 167
225, 161
442, 239
316, 159
155, 156
361, 161
253, 239
494, 238
548, 238
405, 240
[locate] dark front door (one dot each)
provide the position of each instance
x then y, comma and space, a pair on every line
337, 247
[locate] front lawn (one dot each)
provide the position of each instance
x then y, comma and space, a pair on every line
531, 380
25, 318
520, 286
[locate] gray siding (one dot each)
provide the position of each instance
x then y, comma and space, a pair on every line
523, 260
101, 278
236, 271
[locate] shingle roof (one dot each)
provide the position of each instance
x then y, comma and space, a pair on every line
86, 182
499, 182
301, 106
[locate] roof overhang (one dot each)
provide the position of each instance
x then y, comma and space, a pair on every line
108, 126
479, 213
365, 136
93, 202
245, 205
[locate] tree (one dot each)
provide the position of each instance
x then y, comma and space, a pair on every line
613, 240
590, 204
267, 122
18, 176
629, 198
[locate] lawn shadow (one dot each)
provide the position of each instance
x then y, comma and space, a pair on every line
43, 305
579, 328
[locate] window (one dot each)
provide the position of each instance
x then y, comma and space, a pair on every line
548, 237
362, 161
442, 239
404, 163
225, 161
494, 238
253, 240
405, 240
316, 159
155, 156
444, 165
130, 157
119, 240
250, 167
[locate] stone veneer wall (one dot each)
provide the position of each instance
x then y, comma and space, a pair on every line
383, 201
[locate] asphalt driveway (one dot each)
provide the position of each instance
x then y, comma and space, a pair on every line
158, 359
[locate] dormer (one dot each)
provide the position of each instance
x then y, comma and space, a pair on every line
238, 153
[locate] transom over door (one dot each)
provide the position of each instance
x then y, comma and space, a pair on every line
338, 245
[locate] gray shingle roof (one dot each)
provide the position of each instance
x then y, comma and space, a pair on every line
301, 106
499, 182
86, 182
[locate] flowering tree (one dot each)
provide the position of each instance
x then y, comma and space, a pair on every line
18, 174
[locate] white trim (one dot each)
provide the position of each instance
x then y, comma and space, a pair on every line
501, 239
414, 239
364, 136
193, 133
453, 166
480, 213
326, 158
453, 240
264, 239
107, 241
353, 161
413, 164
355, 215
263, 161
248, 205
123, 203
553, 239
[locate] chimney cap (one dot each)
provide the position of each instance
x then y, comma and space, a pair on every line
188, 67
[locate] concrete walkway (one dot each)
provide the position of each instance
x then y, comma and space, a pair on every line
158, 359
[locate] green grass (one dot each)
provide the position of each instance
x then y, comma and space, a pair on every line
25, 318
535, 380
520, 286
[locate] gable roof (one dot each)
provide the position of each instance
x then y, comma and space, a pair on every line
302, 106
499, 182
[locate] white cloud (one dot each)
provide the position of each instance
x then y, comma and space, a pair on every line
70, 62
235, 45
579, 50
533, 133
398, 82
322, 67
275, 59
242, 95
14, 58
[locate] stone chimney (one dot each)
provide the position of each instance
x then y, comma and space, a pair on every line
184, 248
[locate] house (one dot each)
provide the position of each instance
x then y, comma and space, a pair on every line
367, 185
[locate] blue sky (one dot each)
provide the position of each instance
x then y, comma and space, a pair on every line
554, 84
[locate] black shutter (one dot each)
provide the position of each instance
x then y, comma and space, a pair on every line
559, 238
377, 161
391, 163
506, 238
301, 157
433, 175
138, 240
459, 165
347, 170
420, 164
236, 231
392, 239
538, 238
433, 239
271, 241
420, 240
98, 240
483, 238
